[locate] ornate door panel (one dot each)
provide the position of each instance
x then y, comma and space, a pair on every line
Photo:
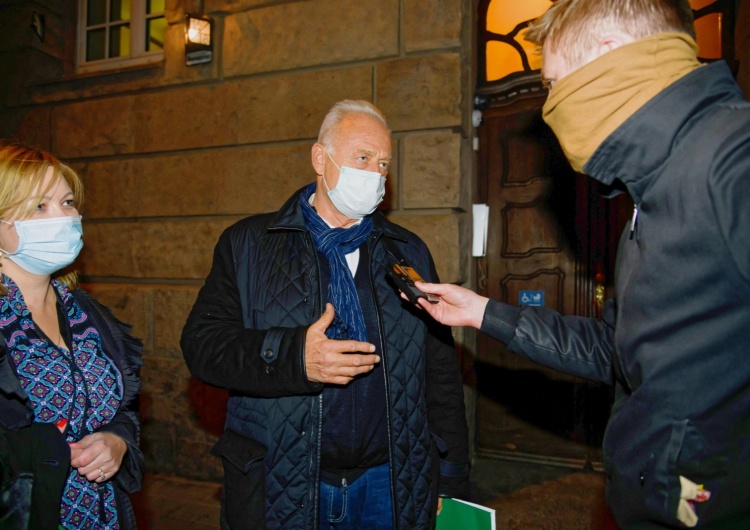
544, 226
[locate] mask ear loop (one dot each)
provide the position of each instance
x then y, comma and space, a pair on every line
3, 252
326, 183
332, 160
335, 164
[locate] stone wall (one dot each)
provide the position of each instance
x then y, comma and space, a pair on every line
171, 155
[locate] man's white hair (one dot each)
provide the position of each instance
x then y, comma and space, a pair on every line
342, 109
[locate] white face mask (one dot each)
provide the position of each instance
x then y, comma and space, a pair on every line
47, 245
358, 192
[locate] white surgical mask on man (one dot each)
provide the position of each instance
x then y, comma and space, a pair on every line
47, 245
358, 192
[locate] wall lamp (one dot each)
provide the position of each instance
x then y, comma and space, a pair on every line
198, 39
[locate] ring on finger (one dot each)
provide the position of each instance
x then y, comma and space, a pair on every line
102, 474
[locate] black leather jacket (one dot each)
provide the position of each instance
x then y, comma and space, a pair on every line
247, 333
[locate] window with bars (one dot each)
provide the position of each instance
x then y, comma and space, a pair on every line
120, 33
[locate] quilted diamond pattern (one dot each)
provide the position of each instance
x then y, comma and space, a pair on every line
281, 291
405, 338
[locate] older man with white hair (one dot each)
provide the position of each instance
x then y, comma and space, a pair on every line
350, 420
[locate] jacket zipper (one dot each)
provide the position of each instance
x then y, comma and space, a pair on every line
385, 375
617, 358
315, 471
633, 221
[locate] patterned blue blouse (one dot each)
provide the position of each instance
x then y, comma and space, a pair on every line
81, 385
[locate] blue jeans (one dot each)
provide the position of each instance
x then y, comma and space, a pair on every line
364, 505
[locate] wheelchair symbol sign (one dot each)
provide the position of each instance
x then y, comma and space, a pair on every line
535, 298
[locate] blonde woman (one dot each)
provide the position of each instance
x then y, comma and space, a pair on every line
69, 427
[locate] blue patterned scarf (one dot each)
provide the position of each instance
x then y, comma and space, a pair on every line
335, 244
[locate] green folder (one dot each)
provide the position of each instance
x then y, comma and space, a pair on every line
461, 515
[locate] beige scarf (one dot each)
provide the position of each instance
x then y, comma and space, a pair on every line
586, 106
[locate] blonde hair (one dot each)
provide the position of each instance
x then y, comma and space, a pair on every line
22, 173
573, 28
329, 128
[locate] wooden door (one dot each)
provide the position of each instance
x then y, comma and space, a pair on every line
548, 233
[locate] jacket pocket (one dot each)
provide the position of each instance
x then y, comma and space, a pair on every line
686, 454
452, 477
243, 495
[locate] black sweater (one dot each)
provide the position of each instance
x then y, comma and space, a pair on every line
355, 435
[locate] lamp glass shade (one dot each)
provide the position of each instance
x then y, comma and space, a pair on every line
198, 44
199, 31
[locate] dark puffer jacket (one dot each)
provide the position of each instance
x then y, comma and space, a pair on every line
247, 333
677, 341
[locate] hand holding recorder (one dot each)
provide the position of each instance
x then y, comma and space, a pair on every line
456, 306
404, 277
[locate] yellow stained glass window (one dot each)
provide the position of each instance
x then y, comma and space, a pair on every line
707, 29
505, 21
506, 52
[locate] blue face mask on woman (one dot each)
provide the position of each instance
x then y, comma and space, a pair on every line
47, 245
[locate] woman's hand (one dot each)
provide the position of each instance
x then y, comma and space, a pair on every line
98, 456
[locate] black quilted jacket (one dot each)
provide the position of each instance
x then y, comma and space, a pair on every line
246, 333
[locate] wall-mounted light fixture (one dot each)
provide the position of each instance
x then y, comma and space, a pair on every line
198, 39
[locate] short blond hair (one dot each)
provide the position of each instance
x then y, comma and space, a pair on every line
22, 172
573, 28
